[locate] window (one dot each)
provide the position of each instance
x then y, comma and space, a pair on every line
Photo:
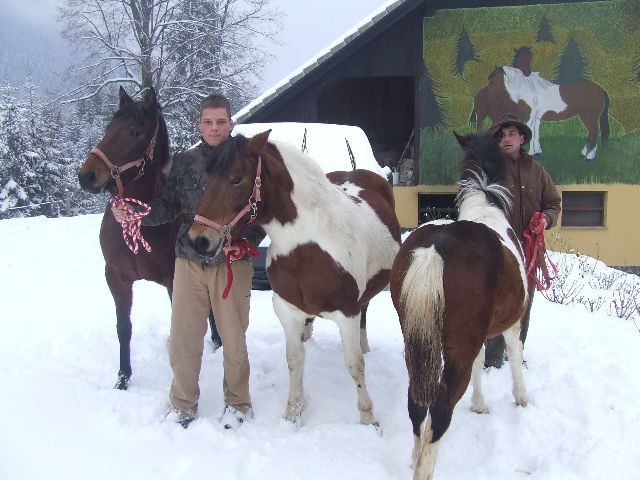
435, 206
583, 209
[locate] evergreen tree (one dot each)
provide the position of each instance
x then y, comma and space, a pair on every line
432, 115
465, 52
572, 66
544, 31
635, 71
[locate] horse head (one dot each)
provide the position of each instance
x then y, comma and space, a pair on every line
522, 60
135, 142
485, 164
232, 197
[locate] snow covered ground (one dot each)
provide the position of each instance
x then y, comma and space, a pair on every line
60, 418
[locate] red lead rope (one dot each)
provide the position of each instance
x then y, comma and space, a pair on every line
131, 227
243, 247
535, 254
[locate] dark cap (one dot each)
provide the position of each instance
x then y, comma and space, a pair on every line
511, 120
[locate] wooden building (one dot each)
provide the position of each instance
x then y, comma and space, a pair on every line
417, 69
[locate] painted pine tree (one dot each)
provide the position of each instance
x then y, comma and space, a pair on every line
544, 31
465, 52
432, 114
572, 66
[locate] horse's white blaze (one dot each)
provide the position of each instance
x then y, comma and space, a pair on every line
350, 232
540, 94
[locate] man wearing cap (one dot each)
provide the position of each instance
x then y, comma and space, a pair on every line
532, 190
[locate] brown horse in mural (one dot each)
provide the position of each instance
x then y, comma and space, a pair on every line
131, 161
533, 99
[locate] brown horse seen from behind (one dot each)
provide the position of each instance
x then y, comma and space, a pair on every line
131, 161
454, 284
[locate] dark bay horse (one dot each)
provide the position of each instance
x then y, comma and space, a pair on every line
333, 240
454, 284
131, 161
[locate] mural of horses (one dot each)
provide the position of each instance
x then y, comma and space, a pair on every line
492, 104
333, 240
454, 284
538, 99
132, 161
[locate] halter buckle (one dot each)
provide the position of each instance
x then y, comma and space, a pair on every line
115, 171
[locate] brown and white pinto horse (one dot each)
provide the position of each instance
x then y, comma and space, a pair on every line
454, 284
132, 160
333, 240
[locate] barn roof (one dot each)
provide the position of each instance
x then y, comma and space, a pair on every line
388, 13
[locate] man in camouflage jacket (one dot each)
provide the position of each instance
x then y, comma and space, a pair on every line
200, 280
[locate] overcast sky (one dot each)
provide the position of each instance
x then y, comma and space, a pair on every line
311, 25
308, 26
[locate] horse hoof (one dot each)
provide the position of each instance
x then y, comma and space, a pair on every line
482, 410
123, 382
377, 426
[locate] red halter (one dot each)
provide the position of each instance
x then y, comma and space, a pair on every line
252, 205
117, 171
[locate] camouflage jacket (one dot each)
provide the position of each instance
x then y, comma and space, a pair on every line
180, 198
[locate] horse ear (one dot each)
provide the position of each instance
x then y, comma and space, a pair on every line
124, 97
257, 143
150, 101
463, 140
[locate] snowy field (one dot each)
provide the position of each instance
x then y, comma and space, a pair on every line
60, 418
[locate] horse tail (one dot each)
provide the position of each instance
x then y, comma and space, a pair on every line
473, 118
422, 302
604, 120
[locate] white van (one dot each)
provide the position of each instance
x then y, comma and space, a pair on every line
332, 146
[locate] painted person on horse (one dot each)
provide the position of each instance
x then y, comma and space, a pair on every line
532, 190
199, 280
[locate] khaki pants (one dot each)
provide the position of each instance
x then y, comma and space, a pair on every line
194, 289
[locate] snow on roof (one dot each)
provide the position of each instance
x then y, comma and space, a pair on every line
318, 59
324, 142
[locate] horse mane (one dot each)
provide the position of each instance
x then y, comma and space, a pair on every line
221, 156
483, 170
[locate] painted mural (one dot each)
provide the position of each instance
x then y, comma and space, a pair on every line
570, 71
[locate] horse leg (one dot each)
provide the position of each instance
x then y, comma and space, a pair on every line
293, 323
308, 329
478, 404
215, 336
350, 333
534, 125
454, 381
590, 121
514, 351
121, 290
364, 340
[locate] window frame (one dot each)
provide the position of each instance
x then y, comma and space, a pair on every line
571, 212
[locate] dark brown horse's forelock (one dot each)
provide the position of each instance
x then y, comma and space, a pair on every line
220, 158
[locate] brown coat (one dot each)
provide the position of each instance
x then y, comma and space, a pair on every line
533, 191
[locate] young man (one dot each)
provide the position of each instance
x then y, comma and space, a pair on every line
199, 281
532, 190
